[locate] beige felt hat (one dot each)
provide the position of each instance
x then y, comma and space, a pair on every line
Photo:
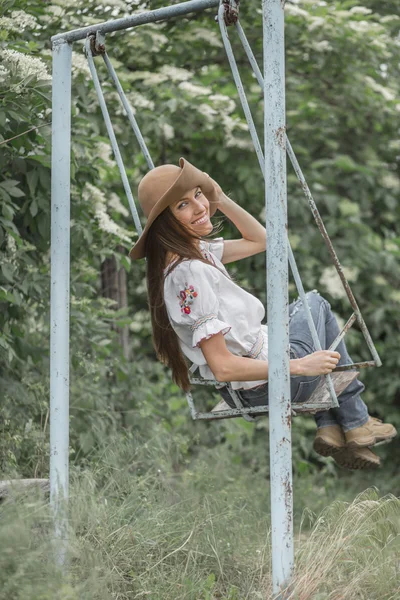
162, 186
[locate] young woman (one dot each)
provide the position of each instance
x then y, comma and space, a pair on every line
200, 313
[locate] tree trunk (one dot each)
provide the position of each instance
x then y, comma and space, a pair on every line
114, 287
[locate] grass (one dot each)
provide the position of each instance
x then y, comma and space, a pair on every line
139, 530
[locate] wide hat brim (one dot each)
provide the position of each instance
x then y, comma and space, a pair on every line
188, 179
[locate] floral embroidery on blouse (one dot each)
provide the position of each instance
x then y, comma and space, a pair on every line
186, 298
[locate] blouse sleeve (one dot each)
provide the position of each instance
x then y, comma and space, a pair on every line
216, 247
192, 301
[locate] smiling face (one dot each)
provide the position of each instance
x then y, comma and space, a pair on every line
193, 211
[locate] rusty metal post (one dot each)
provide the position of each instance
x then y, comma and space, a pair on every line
277, 296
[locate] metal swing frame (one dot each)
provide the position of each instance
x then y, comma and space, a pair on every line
325, 396
273, 166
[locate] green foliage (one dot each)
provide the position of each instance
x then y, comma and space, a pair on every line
342, 65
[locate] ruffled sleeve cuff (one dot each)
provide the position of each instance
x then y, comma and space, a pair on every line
207, 326
216, 246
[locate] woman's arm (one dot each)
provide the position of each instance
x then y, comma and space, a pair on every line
254, 237
228, 367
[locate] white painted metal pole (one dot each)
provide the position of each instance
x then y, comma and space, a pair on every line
60, 290
277, 295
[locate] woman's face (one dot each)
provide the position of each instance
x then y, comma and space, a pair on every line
193, 211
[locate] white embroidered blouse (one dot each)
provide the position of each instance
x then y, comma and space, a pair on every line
202, 301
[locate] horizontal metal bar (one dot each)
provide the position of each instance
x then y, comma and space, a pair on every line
198, 381
359, 365
151, 16
304, 407
341, 335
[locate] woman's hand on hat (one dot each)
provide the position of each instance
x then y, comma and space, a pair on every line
220, 194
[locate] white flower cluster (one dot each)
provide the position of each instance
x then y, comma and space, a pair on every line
389, 18
207, 35
322, 46
3, 73
140, 318
92, 194
25, 66
115, 203
231, 141
114, 4
360, 10
332, 283
231, 123
219, 114
57, 11
11, 251
79, 64
168, 131
158, 40
149, 78
194, 90
362, 26
381, 44
104, 152
391, 181
223, 102
137, 100
175, 74
315, 23
292, 9
209, 113
19, 21
235, 142
386, 92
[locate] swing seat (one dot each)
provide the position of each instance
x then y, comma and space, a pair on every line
319, 400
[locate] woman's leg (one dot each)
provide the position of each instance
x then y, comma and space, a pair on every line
352, 412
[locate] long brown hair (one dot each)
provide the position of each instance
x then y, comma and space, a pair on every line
166, 236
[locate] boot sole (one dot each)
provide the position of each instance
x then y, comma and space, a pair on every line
372, 441
344, 456
348, 460
324, 448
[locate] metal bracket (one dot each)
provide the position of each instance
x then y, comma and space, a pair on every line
231, 12
98, 43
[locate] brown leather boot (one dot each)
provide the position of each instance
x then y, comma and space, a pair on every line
373, 432
356, 458
330, 441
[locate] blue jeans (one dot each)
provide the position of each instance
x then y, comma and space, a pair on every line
352, 412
